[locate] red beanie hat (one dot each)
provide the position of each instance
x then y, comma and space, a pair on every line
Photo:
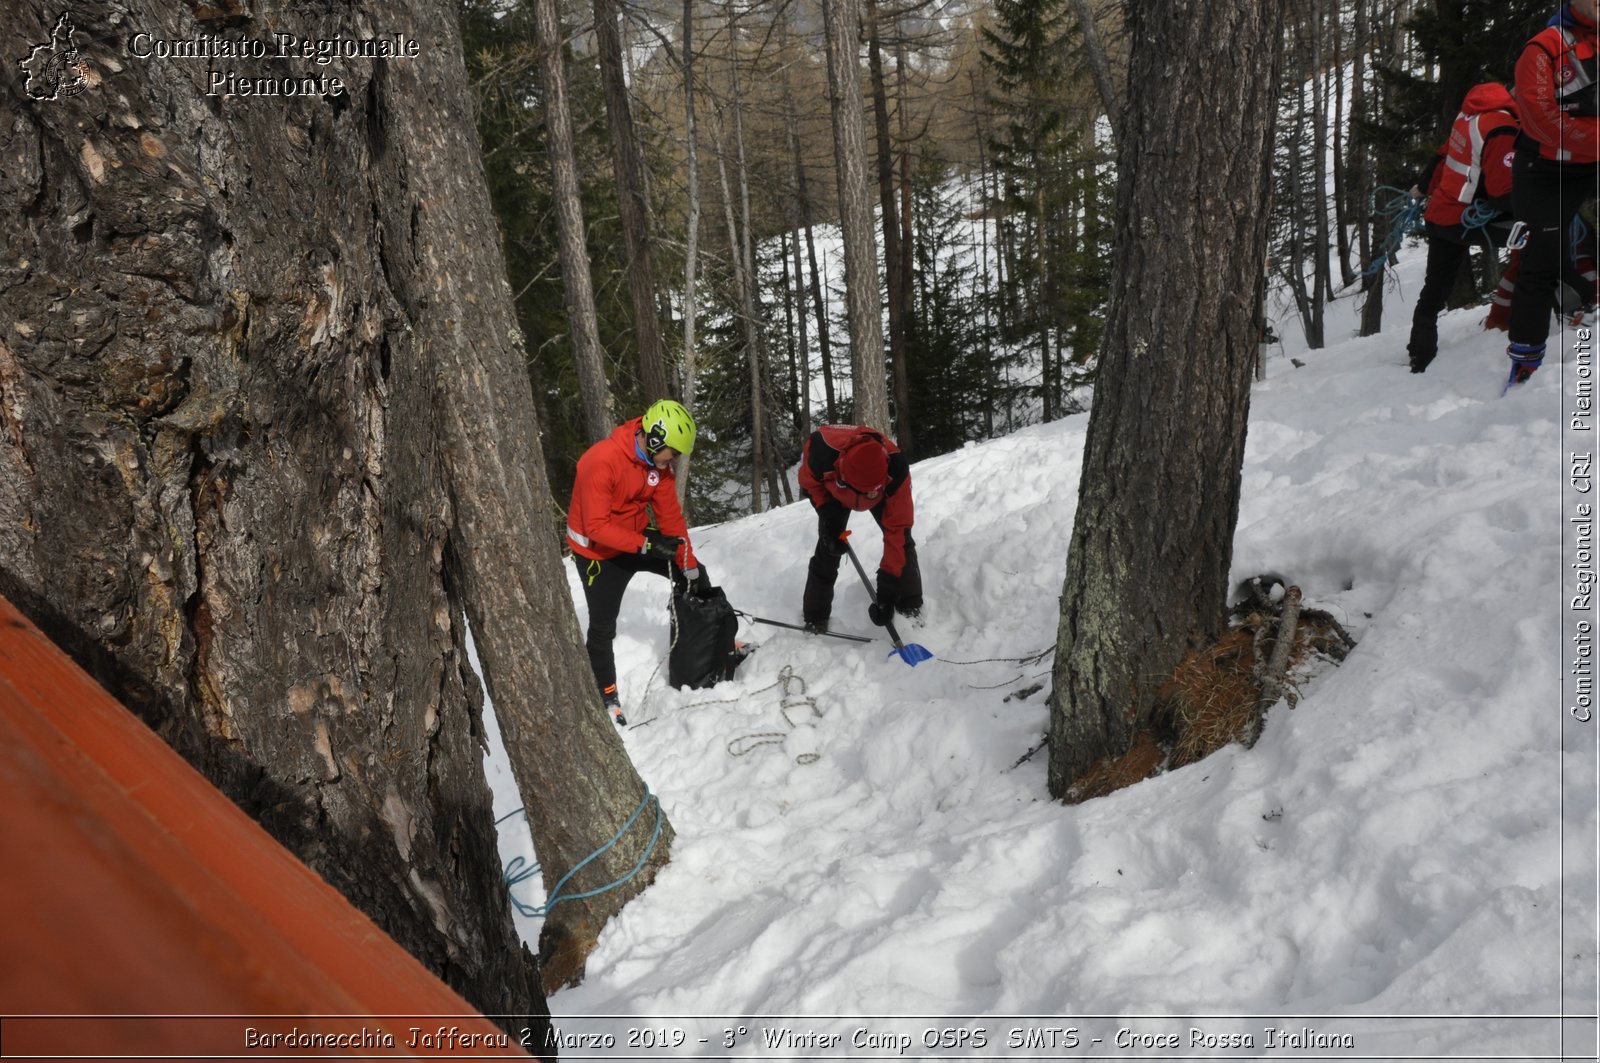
865, 466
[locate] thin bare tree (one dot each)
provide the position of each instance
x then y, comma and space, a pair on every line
863, 308
578, 287
633, 202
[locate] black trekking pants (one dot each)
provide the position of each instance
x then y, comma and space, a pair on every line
1546, 196
1448, 246
603, 585
823, 570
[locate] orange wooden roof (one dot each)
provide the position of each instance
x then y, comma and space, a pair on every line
141, 913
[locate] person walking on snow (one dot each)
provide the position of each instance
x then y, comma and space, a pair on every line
1558, 98
1471, 171
846, 468
622, 480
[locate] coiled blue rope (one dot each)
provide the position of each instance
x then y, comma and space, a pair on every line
520, 870
1477, 215
1405, 218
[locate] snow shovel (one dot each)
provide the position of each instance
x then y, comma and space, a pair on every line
802, 627
910, 652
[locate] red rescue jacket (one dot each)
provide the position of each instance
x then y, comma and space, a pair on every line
1558, 92
894, 509
1475, 162
612, 499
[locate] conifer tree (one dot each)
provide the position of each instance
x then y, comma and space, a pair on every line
1039, 151
1458, 44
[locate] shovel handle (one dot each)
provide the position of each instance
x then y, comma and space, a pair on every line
887, 624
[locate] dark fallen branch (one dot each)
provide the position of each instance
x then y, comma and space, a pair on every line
1029, 754
1272, 679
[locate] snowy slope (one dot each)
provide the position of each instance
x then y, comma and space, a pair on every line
1393, 846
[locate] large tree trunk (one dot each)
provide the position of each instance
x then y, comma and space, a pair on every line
842, 25
577, 784
1159, 498
226, 363
572, 245
633, 204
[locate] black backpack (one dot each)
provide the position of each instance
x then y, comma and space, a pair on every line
703, 649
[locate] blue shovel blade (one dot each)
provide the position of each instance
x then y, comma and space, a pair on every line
912, 653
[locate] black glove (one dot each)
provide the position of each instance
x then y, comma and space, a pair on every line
702, 587
882, 611
831, 545
660, 547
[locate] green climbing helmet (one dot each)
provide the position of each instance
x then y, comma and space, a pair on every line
668, 424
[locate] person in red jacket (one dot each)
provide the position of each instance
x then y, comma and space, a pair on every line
1468, 182
1558, 98
846, 468
622, 480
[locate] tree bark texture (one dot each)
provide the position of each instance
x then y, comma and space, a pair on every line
224, 374
1158, 501
842, 26
633, 204
571, 242
573, 773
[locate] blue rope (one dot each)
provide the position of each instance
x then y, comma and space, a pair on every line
1405, 218
517, 872
1477, 215
520, 870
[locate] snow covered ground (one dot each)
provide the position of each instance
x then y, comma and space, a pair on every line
1404, 866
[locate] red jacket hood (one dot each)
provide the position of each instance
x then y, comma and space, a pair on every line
624, 436
1490, 96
